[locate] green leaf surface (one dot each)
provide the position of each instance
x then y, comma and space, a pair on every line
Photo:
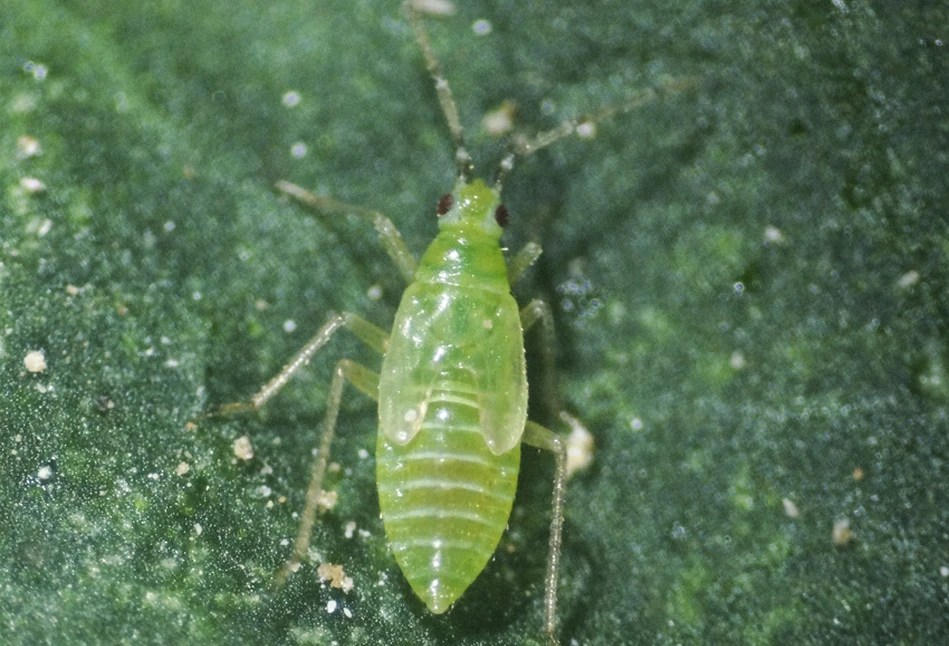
749, 280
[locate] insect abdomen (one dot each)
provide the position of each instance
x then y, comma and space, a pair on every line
445, 498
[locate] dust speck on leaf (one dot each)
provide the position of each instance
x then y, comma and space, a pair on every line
243, 449
842, 534
790, 509
335, 576
32, 185
35, 361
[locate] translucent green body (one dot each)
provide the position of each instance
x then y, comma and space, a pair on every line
452, 406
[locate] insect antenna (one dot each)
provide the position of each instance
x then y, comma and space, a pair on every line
522, 146
445, 99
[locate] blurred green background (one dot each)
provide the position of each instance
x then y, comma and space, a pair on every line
749, 280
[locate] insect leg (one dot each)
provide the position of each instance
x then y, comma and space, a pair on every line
445, 99
520, 261
542, 438
374, 337
390, 236
579, 442
532, 313
364, 380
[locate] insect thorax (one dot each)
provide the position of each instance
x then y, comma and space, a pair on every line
464, 258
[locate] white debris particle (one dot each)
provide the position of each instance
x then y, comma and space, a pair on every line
350, 529
362, 453
498, 123
182, 468
579, 445
32, 185
243, 449
773, 234
45, 227
291, 99
171, 363
264, 491
331, 606
790, 509
636, 424
45, 472
434, 7
38, 70
944, 571
299, 150
374, 293
908, 279
153, 476
289, 326
328, 500
481, 27
28, 146
348, 613
35, 361
72, 290
335, 576
23, 102
842, 534
586, 130
737, 360
198, 529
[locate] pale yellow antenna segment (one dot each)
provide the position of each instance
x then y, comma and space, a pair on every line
526, 146
445, 99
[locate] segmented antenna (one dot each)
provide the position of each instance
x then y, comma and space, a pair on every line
524, 146
445, 99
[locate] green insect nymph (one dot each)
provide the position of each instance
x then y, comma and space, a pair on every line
452, 390
452, 405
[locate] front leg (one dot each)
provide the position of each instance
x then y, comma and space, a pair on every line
388, 234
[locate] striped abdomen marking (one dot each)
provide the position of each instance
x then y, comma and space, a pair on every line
445, 498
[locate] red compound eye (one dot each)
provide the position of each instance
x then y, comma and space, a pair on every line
501, 216
444, 204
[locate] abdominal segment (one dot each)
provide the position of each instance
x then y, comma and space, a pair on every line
445, 498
